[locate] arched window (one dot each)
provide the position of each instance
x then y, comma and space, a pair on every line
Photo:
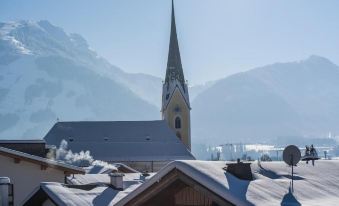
177, 123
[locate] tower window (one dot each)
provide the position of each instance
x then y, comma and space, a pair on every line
177, 123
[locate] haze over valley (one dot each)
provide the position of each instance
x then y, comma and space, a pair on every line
48, 75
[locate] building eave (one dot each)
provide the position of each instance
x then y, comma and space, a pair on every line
43, 162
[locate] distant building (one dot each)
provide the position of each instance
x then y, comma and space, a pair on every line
26, 171
143, 145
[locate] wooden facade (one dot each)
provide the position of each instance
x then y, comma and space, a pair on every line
178, 189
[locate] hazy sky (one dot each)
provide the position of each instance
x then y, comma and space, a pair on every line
217, 37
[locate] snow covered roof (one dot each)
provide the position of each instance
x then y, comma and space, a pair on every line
63, 195
101, 178
41, 161
101, 169
312, 186
121, 140
89, 189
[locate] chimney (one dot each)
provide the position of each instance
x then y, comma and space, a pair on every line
4, 191
240, 170
117, 180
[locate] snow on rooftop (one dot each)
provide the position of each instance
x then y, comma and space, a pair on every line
90, 189
312, 185
101, 178
271, 185
99, 195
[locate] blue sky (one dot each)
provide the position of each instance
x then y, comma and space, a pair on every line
217, 37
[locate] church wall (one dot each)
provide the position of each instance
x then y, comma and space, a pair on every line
171, 112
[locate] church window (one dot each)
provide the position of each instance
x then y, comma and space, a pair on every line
177, 123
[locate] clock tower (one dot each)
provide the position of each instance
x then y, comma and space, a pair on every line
175, 99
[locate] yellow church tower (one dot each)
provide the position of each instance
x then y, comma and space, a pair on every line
175, 99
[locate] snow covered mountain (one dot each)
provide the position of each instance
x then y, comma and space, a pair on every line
283, 99
47, 74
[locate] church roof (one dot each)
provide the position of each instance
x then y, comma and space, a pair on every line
174, 69
121, 140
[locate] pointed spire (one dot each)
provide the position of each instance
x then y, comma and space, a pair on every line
174, 69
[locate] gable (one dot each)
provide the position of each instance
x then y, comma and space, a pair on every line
170, 90
177, 189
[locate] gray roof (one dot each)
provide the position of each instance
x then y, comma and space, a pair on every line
121, 140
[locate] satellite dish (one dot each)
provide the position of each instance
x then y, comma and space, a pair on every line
291, 155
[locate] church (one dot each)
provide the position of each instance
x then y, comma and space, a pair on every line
143, 145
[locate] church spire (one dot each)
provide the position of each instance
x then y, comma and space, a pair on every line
174, 68
175, 98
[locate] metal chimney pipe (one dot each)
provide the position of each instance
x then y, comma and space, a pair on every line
4, 190
117, 180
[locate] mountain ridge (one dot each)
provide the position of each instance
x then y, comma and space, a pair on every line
47, 74
307, 92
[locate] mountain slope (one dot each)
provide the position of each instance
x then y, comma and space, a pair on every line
298, 98
47, 74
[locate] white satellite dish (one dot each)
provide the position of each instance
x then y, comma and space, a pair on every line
291, 156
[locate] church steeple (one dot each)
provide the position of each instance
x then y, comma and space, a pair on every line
174, 67
175, 99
